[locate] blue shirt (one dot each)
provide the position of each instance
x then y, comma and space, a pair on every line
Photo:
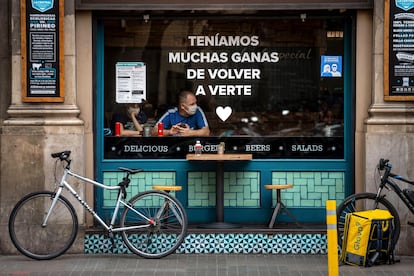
173, 117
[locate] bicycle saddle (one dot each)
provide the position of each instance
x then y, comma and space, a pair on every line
130, 171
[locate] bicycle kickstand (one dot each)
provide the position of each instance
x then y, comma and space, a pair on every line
112, 237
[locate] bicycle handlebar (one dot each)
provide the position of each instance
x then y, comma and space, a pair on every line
383, 163
64, 156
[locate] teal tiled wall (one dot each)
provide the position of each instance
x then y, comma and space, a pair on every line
311, 189
139, 182
241, 189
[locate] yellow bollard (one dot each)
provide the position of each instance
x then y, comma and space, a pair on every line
332, 232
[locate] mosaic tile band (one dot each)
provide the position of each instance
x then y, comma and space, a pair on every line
224, 244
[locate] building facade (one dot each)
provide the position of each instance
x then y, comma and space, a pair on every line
298, 84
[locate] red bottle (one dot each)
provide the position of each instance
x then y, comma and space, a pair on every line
117, 129
160, 129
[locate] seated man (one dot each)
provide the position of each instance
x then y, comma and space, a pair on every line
187, 119
131, 119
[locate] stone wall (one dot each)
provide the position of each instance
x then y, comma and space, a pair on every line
389, 133
28, 167
30, 132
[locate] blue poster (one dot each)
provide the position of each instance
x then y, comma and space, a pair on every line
42, 5
331, 66
404, 4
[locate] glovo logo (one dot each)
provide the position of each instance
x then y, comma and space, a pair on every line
357, 243
385, 225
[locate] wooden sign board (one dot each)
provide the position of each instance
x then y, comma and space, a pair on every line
398, 50
42, 50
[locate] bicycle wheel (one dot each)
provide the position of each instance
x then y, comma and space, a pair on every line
158, 224
362, 202
37, 241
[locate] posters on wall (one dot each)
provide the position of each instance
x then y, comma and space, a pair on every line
399, 50
331, 66
130, 82
42, 51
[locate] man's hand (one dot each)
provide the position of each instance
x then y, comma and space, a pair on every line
137, 125
134, 114
181, 129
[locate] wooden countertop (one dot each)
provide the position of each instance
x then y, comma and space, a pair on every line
220, 157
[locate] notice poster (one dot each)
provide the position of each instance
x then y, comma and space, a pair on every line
42, 50
331, 66
130, 82
399, 50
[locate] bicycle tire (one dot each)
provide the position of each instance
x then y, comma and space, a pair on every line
159, 240
362, 202
32, 239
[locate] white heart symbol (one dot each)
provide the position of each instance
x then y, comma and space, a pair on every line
223, 112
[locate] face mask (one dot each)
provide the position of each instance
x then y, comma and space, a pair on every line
192, 109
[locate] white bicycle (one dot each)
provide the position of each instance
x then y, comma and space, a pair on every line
43, 225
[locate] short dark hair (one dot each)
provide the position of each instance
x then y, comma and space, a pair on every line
182, 96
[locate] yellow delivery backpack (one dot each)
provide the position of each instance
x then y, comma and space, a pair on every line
368, 238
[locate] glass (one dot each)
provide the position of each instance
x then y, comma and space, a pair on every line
254, 76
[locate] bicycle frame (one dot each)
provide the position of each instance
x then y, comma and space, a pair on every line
64, 184
387, 178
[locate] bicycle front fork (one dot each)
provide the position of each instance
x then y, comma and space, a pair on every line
54, 201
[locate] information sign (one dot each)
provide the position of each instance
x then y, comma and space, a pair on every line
130, 82
399, 50
170, 147
42, 50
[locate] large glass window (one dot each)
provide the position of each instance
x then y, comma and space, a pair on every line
269, 84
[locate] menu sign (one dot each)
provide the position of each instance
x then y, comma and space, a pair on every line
171, 147
399, 50
130, 82
42, 50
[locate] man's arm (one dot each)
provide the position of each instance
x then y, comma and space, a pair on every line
201, 121
182, 131
166, 132
137, 125
127, 132
204, 131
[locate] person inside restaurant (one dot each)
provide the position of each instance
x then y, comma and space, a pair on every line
131, 119
187, 119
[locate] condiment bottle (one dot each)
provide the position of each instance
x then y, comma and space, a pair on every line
197, 148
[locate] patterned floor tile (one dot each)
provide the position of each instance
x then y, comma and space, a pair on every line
225, 243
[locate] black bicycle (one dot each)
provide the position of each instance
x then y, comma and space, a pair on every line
369, 201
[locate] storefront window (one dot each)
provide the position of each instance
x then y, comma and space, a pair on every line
269, 85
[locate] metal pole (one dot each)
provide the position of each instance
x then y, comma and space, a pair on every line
332, 232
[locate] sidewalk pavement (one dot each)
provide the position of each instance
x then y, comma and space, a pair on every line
192, 265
